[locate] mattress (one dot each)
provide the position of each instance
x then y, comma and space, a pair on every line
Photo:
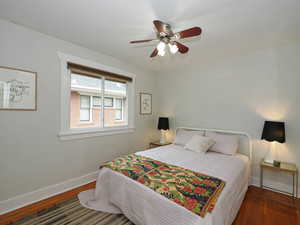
116, 193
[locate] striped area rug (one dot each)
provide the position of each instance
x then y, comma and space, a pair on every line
72, 212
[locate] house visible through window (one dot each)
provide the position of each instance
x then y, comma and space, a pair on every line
112, 91
85, 107
108, 102
96, 101
89, 93
118, 108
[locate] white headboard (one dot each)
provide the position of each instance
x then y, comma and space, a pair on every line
245, 144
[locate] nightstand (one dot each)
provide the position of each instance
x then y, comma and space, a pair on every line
285, 167
155, 144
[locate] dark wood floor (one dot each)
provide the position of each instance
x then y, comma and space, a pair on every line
264, 207
20, 213
260, 207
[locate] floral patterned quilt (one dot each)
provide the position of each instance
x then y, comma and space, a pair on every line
194, 191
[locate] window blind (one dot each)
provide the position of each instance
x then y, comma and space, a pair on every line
79, 69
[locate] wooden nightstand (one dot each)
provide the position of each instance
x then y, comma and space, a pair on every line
155, 144
286, 167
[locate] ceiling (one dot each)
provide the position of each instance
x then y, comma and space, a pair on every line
108, 26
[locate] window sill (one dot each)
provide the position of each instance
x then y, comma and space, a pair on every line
81, 134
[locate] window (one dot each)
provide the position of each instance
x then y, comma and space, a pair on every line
94, 102
113, 114
118, 109
85, 102
108, 102
87, 89
97, 101
90, 90
85, 108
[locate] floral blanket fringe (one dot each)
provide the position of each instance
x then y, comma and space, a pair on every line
194, 191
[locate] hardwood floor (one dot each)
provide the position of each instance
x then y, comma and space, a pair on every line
264, 207
260, 207
18, 214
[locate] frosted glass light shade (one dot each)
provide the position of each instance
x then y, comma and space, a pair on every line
173, 48
161, 46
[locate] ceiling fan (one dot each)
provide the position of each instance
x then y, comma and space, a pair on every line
167, 37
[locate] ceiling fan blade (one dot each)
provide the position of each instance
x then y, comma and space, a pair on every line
159, 26
154, 53
195, 31
141, 41
181, 48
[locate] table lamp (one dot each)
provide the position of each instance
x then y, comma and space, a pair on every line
163, 125
272, 132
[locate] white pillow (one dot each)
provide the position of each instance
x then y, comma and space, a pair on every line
199, 144
225, 143
183, 136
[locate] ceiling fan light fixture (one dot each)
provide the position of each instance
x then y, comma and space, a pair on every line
173, 48
166, 36
161, 46
161, 52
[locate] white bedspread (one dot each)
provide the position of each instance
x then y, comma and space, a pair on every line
116, 193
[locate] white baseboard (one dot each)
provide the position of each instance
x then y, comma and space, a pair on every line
46, 192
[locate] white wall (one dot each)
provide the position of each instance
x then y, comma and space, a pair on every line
32, 156
239, 92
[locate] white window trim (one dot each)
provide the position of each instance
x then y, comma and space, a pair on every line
66, 133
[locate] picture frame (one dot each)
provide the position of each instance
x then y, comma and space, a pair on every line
18, 89
145, 103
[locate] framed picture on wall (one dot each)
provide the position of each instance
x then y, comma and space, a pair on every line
145, 104
17, 89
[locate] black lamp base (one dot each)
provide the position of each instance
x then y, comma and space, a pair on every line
276, 163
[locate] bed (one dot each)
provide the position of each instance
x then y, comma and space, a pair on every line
116, 193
